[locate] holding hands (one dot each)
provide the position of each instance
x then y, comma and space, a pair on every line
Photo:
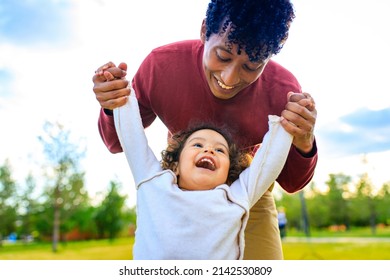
299, 118
110, 85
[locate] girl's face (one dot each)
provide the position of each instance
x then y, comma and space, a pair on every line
227, 72
204, 161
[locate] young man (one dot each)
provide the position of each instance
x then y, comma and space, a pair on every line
227, 77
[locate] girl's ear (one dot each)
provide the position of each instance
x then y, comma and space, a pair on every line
175, 168
203, 31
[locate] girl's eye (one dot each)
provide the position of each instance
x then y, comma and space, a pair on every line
197, 145
220, 151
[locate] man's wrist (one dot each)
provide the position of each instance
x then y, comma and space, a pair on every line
309, 154
108, 112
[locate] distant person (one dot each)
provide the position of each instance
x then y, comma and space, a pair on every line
282, 220
195, 203
226, 77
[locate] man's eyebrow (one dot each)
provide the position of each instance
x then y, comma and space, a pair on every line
226, 49
257, 64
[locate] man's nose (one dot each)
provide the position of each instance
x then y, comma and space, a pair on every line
230, 75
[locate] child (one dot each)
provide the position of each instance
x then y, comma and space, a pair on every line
193, 205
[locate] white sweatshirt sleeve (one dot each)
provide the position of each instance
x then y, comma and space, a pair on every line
268, 161
128, 124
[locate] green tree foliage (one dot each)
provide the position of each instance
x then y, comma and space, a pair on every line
318, 208
65, 183
110, 218
8, 203
364, 208
28, 207
383, 204
337, 203
291, 204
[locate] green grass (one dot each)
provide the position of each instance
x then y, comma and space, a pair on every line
354, 232
301, 249
336, 251
357, 250
119, 249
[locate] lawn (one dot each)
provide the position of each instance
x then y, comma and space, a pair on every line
308, 250
295, 247
119, 249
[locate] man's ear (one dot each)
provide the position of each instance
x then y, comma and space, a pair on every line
203, 31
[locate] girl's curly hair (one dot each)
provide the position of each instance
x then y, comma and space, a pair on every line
259, 27
239, 160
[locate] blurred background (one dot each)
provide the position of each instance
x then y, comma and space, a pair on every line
59, 184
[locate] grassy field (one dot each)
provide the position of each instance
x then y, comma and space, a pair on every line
119, 249
323, 246
362, 250
354, 232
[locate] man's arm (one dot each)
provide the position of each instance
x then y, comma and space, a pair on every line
299, 118
298, 170
108, 133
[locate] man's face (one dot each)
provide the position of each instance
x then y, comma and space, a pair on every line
227, 72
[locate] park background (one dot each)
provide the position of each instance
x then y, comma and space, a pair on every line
51, 150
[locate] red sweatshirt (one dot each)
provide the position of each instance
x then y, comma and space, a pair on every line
171, 84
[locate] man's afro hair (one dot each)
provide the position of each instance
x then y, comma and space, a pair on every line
259, 27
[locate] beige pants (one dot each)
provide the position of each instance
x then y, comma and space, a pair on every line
262, 237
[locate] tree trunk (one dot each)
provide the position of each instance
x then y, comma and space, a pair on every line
56, 222
305, 215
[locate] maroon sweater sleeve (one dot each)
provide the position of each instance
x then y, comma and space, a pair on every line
108, 133
298, 170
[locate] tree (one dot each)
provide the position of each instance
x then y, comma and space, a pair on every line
304, 213
383, 200
291, 204
365, 203
7, 201
317, 207
62, 172
28, 208
75, 201
110, 218
338, 205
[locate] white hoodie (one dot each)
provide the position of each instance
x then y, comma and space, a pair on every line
176, 224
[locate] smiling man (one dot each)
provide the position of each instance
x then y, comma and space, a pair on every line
229, 78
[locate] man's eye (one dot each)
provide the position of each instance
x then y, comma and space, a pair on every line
250, 69
222, 58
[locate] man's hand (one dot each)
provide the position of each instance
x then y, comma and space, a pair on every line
299, 118
110, 85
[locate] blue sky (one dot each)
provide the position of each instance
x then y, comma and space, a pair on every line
362, 131
31, 22
5, 79
50, 48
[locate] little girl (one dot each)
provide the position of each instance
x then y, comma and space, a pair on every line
195, 203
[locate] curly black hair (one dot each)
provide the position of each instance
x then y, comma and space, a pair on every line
239, 159
259, 27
